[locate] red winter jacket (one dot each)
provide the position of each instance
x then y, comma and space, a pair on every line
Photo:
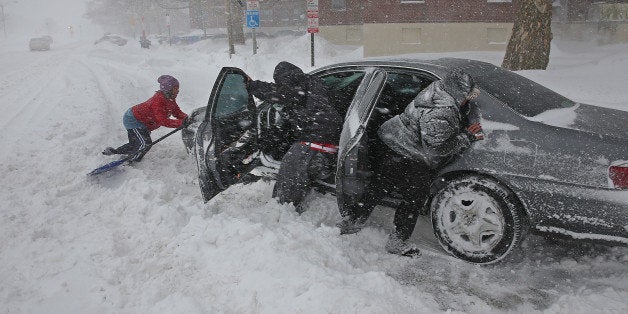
157, 111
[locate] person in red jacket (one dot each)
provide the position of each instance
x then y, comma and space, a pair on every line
141, 119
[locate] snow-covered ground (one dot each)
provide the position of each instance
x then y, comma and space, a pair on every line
141, 240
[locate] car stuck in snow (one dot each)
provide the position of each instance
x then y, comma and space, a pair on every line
547, 164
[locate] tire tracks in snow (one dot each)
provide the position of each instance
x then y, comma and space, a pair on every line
26, 90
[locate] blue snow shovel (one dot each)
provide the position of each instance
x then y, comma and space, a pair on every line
114, 164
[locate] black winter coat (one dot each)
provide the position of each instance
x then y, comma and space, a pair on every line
305, 101
432, 129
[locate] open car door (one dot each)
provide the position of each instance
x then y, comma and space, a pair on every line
353, 171
226, 141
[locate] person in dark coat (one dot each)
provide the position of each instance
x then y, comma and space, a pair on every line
143, 118
314, 125
435, 127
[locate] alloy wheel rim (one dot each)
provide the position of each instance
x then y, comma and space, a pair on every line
473, 221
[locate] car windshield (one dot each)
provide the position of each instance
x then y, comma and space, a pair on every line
521, 94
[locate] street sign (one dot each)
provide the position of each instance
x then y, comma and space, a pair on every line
312, 24
312, 5
312, 16
252, 5
252, 18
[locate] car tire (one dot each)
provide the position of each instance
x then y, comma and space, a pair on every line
477, 219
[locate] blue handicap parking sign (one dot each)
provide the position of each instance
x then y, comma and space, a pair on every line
252, 18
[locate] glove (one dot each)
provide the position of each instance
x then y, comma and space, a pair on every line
187, 121
474, 132
255, 86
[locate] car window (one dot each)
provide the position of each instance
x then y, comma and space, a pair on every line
342, 87
521, 94
233, 96
399, 90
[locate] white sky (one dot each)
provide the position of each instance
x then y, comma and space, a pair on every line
30, 18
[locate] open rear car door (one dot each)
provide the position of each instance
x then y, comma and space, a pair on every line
353, 172
226, 143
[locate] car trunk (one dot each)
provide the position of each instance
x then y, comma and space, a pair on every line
604, 121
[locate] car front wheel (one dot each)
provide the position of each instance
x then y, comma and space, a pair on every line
477, 219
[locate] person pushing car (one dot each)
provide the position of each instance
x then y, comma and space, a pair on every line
314, 125
432, 130
143, 118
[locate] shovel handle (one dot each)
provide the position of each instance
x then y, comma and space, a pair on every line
163, 137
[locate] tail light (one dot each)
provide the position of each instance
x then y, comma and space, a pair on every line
618, 174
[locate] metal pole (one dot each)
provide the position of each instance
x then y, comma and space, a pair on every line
312, 47
229, 29
168, 25
4, 25
254, 43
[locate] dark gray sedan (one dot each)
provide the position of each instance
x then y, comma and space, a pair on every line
546, 164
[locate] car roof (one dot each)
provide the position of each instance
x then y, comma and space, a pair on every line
436, 66
505, 85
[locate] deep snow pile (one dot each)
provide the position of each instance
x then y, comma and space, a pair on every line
141, 240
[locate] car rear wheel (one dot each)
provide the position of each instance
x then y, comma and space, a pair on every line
477, 219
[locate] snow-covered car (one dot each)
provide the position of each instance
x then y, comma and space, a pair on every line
111, 38
40, 43
547, 164
48, 38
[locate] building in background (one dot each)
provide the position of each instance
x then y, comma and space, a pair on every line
275, 15
390, 27
603, 21
393, 27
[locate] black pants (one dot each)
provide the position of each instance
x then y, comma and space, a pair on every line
138, 145
395, 175
301, 166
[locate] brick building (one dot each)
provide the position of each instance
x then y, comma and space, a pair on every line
392, 27
389, 27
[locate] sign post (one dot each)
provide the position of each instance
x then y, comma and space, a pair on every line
312, 24
252, 19
168, 25
4, 25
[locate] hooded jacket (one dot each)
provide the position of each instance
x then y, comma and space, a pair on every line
432, 127
305, 98
156, 112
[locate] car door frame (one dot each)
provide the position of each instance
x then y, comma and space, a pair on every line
211, 181
350, 183
347, 203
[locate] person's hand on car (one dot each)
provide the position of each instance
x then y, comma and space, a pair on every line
475, 132
254, 86
187, 121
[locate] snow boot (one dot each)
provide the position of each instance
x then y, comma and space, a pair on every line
349, 225
109, 151
400, 247
299, 207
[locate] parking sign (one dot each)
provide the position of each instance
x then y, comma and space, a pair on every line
252, 19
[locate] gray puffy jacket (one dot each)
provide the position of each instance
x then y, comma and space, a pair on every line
432, 128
